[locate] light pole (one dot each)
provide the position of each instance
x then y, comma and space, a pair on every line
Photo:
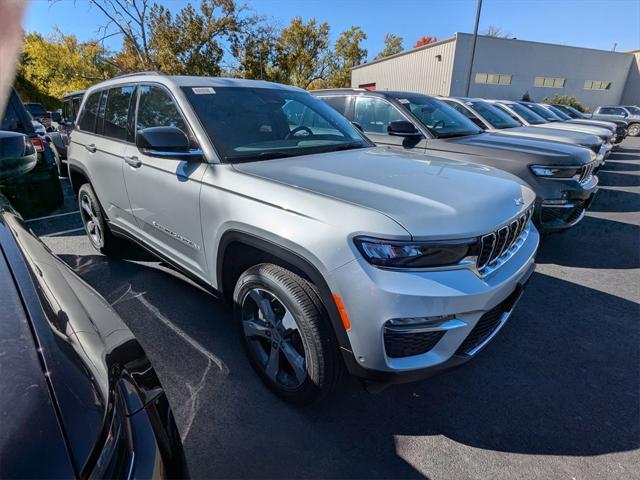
473, 47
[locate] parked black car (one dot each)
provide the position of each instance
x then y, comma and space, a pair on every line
79, 396
562, 175
39, 192
59, 137
39, 113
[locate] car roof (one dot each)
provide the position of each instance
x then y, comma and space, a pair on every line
364, 91
191, 81
77, 93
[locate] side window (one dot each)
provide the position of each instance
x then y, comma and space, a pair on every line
76, 107
299, 115
339, 104
89, 115
375, 114
157, 109
11, 120
116, 112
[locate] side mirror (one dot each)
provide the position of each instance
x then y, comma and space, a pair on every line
17, 155
170, 142
403, 128
56, 117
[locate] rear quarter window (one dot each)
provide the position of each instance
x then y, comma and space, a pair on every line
89, 113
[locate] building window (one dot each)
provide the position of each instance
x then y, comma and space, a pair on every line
493, 78
596, 85
550, 82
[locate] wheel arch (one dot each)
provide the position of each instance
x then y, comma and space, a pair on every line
252, 250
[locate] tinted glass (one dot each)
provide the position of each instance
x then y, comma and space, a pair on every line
375, 114
541, 111
496, 117
339, 104
11, 120
35, 109
156, 108
559, 113
438, 117
248, 124
116, 112
90, 113
529, 115
633, 110
464, 111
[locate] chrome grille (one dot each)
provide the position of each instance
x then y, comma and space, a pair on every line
586, 172
499, 245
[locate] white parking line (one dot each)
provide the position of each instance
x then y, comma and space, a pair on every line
62, 232
52, 216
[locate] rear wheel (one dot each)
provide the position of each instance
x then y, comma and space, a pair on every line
286, 332
633, 130
94, 223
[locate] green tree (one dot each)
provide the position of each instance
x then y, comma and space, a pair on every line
302, 53
347, 53
254, 52
392, 45
566, 100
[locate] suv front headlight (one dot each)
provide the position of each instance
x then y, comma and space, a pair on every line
555, 172
399, 254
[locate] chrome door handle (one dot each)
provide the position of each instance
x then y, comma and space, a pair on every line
134, 161
91, 147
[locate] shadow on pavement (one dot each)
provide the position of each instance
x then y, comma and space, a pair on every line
546, 386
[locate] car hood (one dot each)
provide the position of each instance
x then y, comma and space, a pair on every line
611, 126
554, 135
529, 150
603, 133
429, 196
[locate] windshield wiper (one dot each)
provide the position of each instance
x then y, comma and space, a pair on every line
348, 146
251, 157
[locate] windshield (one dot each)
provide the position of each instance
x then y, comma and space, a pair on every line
559, 113
543, 112
633, 110
529, 115
36, 109
440, 119
247, 124
492, 114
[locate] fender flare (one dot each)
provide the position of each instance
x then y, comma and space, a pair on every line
301, 264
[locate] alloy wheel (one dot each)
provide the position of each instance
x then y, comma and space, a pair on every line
274, 338
90, 219
634, 130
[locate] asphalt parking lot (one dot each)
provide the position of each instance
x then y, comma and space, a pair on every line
555, 395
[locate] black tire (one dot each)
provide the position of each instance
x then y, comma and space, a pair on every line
62, 171
106, 243
322, 365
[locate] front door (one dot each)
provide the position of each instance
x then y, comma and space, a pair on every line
165, 192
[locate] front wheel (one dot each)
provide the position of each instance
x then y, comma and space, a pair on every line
286, 332
95, 224
633, 130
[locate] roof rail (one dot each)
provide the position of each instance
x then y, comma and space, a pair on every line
150, 72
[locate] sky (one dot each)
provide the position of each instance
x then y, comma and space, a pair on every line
583, 23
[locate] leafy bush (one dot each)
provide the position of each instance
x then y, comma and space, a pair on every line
566, 100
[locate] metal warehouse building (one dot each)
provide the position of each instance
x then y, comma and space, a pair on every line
507, 69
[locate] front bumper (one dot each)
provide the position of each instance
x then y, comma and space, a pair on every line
568, 209
373, 296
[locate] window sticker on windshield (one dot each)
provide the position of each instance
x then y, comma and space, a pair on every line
203, 90
403, 100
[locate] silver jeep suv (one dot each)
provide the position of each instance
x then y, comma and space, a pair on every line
334, 252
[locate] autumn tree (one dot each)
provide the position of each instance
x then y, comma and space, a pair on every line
426, 40
55, 65
347, 53
302, 53
392, 45
254, 52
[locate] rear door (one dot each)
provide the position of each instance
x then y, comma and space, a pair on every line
374, 115
99, 144
165, 191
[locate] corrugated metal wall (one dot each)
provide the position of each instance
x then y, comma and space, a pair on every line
427, 70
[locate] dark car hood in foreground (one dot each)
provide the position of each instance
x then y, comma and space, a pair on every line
429, 196
530, 151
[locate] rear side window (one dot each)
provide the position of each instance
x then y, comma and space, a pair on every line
11, 120
157, 109
339, 104
116, 112
89, 113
